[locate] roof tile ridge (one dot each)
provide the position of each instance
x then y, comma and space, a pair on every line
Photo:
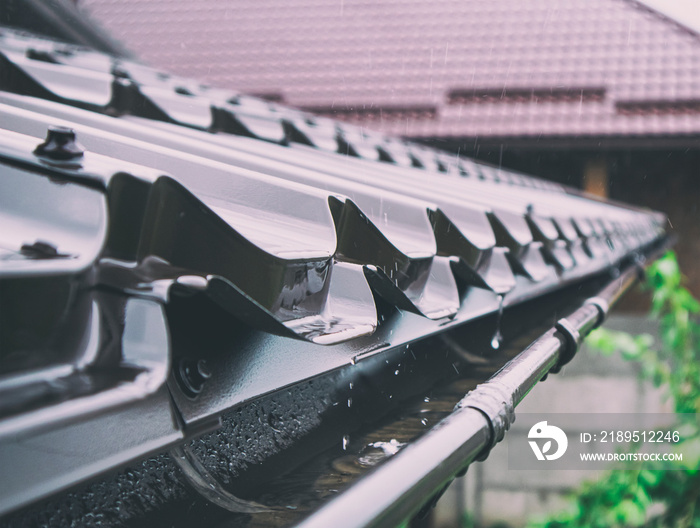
665, 18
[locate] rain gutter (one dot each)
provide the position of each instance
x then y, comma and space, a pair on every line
397, 489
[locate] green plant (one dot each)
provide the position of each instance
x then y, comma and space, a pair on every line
650, 496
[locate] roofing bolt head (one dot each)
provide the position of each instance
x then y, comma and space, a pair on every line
123, 82
60, 144
40, 250
183, 90
203, 369
41, 55
191, 375
120, 73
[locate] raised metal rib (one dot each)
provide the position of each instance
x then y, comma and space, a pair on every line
419, 283
24, 73
311, 130
494, 272
356, 142
504, 195
246, 116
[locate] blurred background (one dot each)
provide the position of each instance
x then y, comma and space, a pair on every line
602, 95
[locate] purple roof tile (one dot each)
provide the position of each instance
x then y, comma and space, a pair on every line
445, 68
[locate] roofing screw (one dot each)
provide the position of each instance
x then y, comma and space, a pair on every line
41, 55
60, 144
119, 72
40, 250
182, 90
191, 375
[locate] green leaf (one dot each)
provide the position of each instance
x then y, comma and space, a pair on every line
648, 478
630, 513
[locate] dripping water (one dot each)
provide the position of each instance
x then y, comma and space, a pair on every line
497, 337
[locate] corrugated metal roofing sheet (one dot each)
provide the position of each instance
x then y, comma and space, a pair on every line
297, 213
153, 192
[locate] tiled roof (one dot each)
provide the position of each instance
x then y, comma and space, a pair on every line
445, 68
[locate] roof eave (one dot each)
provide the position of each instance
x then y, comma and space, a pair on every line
570, 142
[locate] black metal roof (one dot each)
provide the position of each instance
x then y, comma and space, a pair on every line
272, 230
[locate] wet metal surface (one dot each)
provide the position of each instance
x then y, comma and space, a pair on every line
204, 254
333, 471
270, 436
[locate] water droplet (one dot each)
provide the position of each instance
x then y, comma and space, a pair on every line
396, 373
291, 507
389, 448
349, 402
351, 385
346, 442
353, 360
426, 399
424, 421
497, 337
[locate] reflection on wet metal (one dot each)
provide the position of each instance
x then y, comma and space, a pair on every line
198, 476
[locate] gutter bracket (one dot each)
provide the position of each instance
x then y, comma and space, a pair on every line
571, 344
603, 309
495, 401
574, 328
